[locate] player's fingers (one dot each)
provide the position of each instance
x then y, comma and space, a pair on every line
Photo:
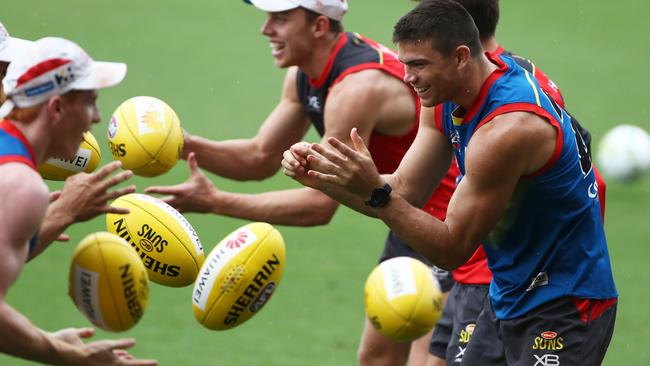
135, 362
358, 142
323, 177
164, 189
329, 154
343, 148
172, 201
63, 237
55, 196
115, 180
107, 169
289, 173
193, 164
114, 210
322, 165
300, 151
118, 193
291, 159
85, 332
122, 353
113, 344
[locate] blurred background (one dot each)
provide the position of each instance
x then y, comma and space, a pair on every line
208, 61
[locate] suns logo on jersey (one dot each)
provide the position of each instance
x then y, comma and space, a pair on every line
548, 340
455, 139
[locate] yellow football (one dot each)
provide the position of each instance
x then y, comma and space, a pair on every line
107, 282
165, 241
145, 134
86, 160
239, 276
403, 299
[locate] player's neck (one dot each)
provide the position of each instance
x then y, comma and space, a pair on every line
490, 44
316, 63
478, 72
37, 139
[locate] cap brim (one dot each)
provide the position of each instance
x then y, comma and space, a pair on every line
101, 75
13, 47
274, 5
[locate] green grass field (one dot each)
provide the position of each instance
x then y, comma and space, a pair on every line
207, 60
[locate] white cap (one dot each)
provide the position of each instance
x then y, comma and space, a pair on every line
10, 46
54, 66
333, 9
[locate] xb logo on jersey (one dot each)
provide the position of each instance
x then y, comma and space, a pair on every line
547, 360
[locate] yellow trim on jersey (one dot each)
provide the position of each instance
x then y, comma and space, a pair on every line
381, 54
532, 85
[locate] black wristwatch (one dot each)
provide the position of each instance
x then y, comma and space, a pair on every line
380, 196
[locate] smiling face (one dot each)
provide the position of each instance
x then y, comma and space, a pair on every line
433, 75
290, 37
78, 112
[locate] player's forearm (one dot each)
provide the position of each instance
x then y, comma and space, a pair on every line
54, 223
425, 233
234, 159
20, 338
294, 207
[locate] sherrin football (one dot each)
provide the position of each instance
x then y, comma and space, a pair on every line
165, 241
239, 276
86, 160
145, 134
107, 282
402, 298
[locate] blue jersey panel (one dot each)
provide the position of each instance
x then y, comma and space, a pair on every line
550, 241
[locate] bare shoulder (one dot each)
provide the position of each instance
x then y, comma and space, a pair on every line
21, 184
371, 82
518, 137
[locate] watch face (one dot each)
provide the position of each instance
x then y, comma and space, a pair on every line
380, 196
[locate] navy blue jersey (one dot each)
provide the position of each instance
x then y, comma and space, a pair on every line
354, 53
550, 241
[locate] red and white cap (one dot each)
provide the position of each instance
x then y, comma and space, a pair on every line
53, 66
10, 46
333, 9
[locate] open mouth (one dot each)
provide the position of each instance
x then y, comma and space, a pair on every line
421, 90
276, 48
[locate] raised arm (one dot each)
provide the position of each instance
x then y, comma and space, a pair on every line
259, 157
350, 103
84, 196
522, 142
422, 168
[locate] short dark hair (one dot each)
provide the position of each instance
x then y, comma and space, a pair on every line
444, 22
335, 25
485, 14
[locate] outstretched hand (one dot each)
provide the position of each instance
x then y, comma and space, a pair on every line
100, 353
194, 195
349, 168
85, 196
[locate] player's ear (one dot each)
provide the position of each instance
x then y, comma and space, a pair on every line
321, 26
55, 108
463, 56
